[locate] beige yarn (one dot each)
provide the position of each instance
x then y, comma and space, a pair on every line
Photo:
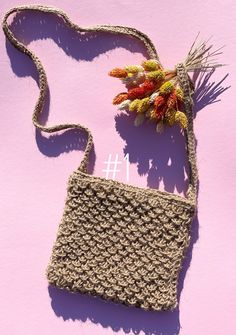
120, 242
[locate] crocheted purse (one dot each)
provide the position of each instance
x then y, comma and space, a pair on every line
121, 242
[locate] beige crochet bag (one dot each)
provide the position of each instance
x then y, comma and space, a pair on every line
120, 242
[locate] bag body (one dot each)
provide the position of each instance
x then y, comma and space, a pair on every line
121, 242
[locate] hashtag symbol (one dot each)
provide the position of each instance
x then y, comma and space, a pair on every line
111, 166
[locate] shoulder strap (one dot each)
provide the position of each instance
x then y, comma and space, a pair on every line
189, 132
191, 193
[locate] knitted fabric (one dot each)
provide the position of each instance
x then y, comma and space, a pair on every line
120, 242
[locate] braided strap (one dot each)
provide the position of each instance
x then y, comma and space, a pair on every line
184, 81
43, 86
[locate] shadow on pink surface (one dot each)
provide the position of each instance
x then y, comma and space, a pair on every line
167, 157
117, 317
162, 157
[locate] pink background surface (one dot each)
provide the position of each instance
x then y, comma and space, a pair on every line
35, 167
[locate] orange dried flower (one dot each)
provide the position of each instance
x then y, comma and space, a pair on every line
160, 112
160, 107
140, 92
120, 98
149, 85
137, 92
159, 101
118, 73
172, 100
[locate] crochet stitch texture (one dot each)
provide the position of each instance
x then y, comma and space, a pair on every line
120, 242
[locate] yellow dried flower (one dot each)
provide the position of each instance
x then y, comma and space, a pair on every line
152, 114
150, 65
130, 75
179, 94
166, 88
181, 118
143, 105
134, 105
157, 75
170, 116
133, 68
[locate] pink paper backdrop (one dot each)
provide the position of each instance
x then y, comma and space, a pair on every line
35, 167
